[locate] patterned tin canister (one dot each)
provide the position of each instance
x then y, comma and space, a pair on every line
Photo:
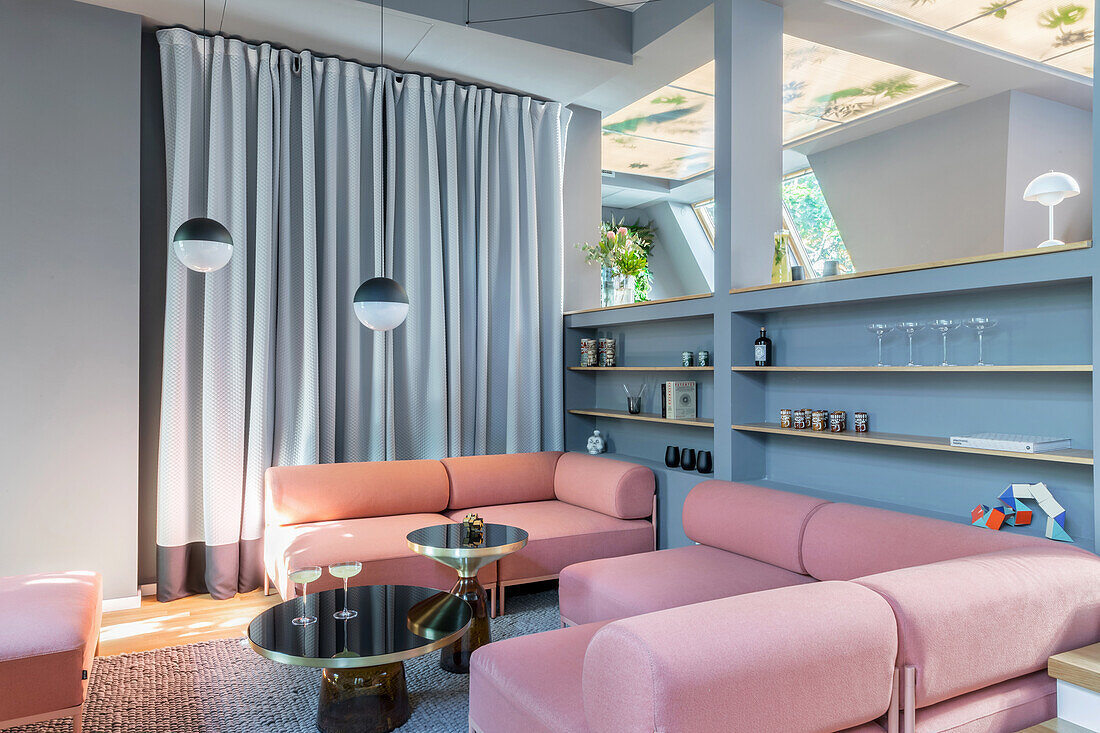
837, 421
703, 359
860, 420
607, 352
807, 415
588, 352
819, 421
687, 358
798, 420
785, 418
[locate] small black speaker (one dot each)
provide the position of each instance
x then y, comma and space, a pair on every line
672, 456
687, 459
705, 462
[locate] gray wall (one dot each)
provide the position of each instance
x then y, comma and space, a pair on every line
69, 290
582, 208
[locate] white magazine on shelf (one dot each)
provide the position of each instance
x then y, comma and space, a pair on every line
1009, 442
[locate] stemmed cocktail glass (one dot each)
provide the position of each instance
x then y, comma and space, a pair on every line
981, 325
944, 326
345, 570
910, 328
305, 576
880, 330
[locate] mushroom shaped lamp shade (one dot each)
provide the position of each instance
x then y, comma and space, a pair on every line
203, 245
1050, 189
381, 304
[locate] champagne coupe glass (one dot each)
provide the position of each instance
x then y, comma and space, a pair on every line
880, 330
305, 576
944, 326
910, 328
345, 570
981, 325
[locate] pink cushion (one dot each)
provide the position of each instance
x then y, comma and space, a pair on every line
813, 657
616, 488
845, 541
617, 587
530, 683
297, 494
1002, 708
760, 523
49, 629
504, 479
378, 542
976, 621
561, 534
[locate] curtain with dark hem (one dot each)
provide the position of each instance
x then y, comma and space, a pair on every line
265, 362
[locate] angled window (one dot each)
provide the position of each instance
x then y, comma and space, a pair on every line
815, 234
705, 211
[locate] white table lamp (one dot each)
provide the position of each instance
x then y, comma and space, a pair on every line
1050, 189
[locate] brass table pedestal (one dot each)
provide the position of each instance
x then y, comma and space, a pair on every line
450, 545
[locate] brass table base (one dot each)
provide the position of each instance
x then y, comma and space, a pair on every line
363, 699
456, 657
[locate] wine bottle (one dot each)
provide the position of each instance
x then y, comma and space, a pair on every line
763, 349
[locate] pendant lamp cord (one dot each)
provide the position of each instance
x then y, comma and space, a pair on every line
205, 122
385, 166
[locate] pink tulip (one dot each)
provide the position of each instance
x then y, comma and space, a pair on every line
622, 231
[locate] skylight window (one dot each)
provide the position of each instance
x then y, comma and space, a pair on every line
670, 133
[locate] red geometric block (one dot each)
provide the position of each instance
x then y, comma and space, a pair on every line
977, 513
1023, 517
995, 519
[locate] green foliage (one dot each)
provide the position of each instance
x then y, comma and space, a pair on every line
814, 222
1061, 16
624, 250
674, 100
997, 9
894, 87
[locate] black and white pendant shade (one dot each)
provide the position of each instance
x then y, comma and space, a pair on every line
381, 304
203, 245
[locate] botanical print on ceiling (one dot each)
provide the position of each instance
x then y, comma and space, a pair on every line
1047, 31
670, 133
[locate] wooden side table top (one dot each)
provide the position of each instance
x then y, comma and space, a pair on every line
1079, 667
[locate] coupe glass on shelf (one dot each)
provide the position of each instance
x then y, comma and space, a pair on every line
880, 330
944, 327
981, 325
910, 328
305, 576
345, 570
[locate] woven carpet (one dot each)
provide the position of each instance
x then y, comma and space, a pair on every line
225, 687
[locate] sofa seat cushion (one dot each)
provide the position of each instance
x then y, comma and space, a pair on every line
531, 683
378, 542
48, 638
1002, 708
561, 534
600, 590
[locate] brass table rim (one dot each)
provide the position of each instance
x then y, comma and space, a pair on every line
356, 662
460, 553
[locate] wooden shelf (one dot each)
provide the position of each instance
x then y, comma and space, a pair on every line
925, 442
644, 369
699, 422
965, 369
639, 305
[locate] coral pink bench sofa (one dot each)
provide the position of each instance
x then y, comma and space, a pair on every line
574, 506
795, 614
49, 634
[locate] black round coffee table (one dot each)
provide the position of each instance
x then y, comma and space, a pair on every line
454, 546
363, 658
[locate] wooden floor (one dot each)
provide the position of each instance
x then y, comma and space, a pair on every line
195, 618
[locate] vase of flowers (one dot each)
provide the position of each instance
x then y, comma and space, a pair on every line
622, 254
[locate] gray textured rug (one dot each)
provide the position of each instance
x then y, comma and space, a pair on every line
224, 687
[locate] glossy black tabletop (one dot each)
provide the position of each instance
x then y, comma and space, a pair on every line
455, 537
395, 622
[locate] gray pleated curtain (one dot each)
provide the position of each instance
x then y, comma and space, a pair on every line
264, 361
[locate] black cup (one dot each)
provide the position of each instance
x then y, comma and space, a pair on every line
687, 459
672, 456
705, 462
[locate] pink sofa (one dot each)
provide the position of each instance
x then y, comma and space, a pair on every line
574, 506
796, 614
49, 635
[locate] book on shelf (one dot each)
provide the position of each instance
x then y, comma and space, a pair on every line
679, 402
1011, 443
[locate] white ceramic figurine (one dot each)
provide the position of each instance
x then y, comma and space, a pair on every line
596, 443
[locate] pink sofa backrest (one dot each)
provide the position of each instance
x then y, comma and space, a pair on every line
975, 621
503, 479
764, 524
814, 657
845, 541
615, 488
299, 494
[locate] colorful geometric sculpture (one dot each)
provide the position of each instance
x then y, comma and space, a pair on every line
990, 518
1013, 496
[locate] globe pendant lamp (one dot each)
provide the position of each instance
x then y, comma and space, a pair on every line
381, 304
1051, 189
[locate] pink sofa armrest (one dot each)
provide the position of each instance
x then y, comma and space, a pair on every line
975, 621
814, 657
615, 488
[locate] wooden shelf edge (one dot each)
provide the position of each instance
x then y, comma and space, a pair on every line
992, 257
973, 369
924, 442
643, 369
644, 417
639, 305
